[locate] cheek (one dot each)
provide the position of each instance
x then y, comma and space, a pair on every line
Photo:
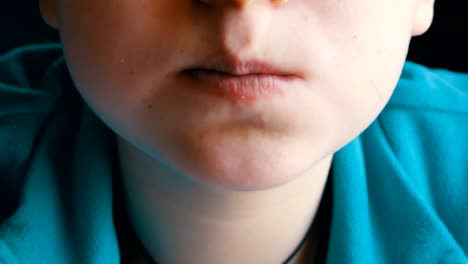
365, 63
115, 51
113, 40
354, 51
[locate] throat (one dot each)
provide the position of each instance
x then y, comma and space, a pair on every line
311, 250
186, 223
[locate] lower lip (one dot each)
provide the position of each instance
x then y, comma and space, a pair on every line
242, 87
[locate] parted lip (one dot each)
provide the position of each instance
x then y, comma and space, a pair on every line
235, 67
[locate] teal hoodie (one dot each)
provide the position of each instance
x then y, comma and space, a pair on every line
400, 189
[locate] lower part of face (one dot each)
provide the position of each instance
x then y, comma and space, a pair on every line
128, 59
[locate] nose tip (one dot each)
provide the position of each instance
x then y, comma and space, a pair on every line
239, 3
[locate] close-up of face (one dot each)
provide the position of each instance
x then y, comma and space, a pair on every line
244, 94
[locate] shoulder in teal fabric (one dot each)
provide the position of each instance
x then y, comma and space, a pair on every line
57, 166
402, 184
400, 189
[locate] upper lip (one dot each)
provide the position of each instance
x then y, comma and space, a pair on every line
237, 67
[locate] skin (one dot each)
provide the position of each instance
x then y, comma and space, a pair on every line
209, 168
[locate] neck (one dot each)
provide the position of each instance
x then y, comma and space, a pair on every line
180, 220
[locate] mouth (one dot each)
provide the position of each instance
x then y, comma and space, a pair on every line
240, 80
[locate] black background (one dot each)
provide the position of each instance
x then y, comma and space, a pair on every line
443, 46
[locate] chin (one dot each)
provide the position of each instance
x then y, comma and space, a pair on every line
246, 182
248, 170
